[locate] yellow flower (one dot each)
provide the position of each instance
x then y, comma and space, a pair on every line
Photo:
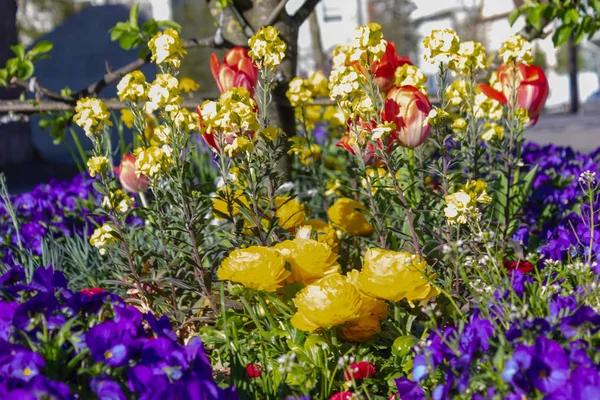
318, 83
290, 212
326, 303
167, 48
471, 56
163, 92
516, 49
102, 237
362, 330
232, 115
222, 202
299, 93
345, 215
132, 87
395, 276
238, 146
441, 46
305, 153
97, 165
368, 43
408, 74
91, 115
436, 116
456, 93
492, 130
259, 268
184, 120
478, 191
335, 116
162, 134
333, 188
309, 259
118, 200
325, 233
371, 306
153, 160
127, 118
266, 48
459, 125
188, 85
459, 207
486, 107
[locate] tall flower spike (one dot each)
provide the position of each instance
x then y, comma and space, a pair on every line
266, 48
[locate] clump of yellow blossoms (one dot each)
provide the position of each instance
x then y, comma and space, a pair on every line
132, 87
188, 85
470, 57
345, 214
306, 154
325, 233
368, 44
97, 165
492, 130
299, 93
408, 74
266, 48
102, 237
318, 84
91, 115
167, 48
118, 200
462, 205
290, 212
395, 276
184, 119
486, 107
309, 260
441, 46
346, 87
259, 268
163, 93
326, 303
153, 160
127, 117
516, 49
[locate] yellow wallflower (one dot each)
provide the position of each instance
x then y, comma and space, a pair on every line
516, 49
290, 212
459, 125
456, 93
299, 93
97, 165
259, 268
184, 120
153, 160
492, 130
239, 145
336, 117
395, 276
408, 74
441, 46
345, 214
127, 118
163, 92
91, 115
103, 237
486, 107
118, 200
234, 113
477, 189
471, 57
462, 205
271, 133
368, 43
318, 83
326, 303
167, 48
305, 153
132, 87
325, 233
309, 259
188, 85
266, 47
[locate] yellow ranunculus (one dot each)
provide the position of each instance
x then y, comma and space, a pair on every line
326, 303
371, 306
325, 233
395, 276
309, 259
256, 267
289, 212
362, 330
344, 214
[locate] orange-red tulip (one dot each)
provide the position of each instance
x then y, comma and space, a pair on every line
128, 177
384, 69
407, 107
531, 85
237, 70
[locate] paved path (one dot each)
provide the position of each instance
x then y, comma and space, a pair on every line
581, 132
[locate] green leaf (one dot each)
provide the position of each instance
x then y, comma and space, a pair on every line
127, 41
25, 70
133, 15
19, 51
562, 34
42, 47
534, 18
579, 33
571, 17
169, 24
3, 77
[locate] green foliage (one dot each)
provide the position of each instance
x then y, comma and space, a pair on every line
22, 66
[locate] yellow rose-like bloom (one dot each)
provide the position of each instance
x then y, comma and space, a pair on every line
318, 83
127, 118
153, 160
492, 130
132, 87
290, 212
163, 92
326, 303
516, 49
408, 74
345, 215
362, 330
188, 85
371, 306
91, 115
299, 93
256, 267
394, 276
102, 237
441, 45
368, 43
471, 56
309, 259
167, 48
97, 165
325, 233
266, 47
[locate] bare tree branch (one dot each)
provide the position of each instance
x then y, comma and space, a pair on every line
276, 13
304, 11
29, 107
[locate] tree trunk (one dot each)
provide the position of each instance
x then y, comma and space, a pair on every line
573, 70
317, 44
15, 138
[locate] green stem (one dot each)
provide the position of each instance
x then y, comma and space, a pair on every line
80, 149
411, 173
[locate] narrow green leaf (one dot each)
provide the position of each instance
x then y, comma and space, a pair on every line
19, 51
169, 24
42, 47
133, 15
562, 34
571, 17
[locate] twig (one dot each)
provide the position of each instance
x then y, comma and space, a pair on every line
30, 107
304, 11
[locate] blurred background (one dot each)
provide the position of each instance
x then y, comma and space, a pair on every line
83, 52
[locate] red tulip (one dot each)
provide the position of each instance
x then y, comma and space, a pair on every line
237, 70
92, 291
532, 88
128, 177
383, 70
407, 108
341, 396
359, 370
523, 266
253, 370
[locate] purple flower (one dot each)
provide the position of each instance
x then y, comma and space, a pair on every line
107, 389
109, 343
19, 363
409, 390
584, 316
